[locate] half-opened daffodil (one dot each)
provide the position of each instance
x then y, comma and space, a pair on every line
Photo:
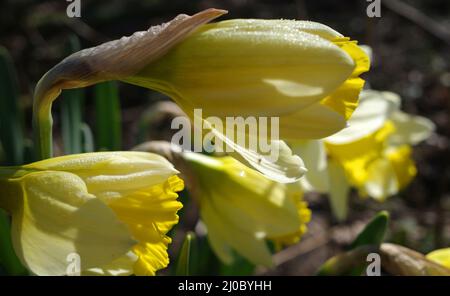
242, 209
113, 209
373, 154
305, 73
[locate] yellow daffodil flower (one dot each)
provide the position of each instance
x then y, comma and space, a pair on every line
112, 209
373, 154
441, 256
241, 208
305, 73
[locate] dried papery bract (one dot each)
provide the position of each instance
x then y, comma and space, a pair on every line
399, 260
109, 61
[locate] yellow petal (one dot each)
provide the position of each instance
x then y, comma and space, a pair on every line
441, 256
149, 214
360, 57
59, 217
152, 257
402, 164
356, 156
345, 99
381, 181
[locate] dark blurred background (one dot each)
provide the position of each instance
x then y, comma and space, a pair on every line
411, 56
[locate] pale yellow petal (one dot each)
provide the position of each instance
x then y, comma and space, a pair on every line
248, 200
313, 122
382, 180
216, 236
314, 154
339, 190
60, 217
283, 24
248, 245
410, 129
371, 114
112, 174
281, 166
270, 214
122, 266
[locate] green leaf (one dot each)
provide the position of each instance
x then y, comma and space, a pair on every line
11, 128
71, 110
183, 261
374, 232
239, 267
8, 258
71, 120
143, 126
346, 263
353, 262
108, 117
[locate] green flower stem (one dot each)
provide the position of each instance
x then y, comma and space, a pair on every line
42, 128
42, 116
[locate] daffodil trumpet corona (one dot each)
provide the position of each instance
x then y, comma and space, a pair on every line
305, 73
111, 210
373, 154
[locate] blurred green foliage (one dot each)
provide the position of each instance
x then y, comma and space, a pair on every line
11, 126
108, 122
